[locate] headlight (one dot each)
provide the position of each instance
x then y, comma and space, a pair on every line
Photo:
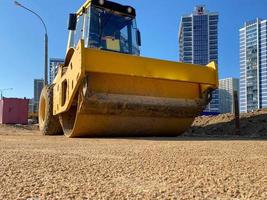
130, 10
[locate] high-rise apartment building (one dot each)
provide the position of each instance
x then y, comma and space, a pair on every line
53, 68
198, 42
31, 105
253, 65
227, 87
38, 86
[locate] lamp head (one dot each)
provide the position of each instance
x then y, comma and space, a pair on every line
17, 3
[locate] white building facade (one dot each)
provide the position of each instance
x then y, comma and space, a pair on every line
53, 68
227, 87
253, 65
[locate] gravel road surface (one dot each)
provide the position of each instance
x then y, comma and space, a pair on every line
36, 167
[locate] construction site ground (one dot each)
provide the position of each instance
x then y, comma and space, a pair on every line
210, 161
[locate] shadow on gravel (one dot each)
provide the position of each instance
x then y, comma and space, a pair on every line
252, 127
200, 138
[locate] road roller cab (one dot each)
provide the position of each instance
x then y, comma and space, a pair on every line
105, 25
105, 89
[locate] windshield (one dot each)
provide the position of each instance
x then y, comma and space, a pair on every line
112, 31
106, 30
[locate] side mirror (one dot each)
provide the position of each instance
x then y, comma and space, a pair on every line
72, 22
138, 38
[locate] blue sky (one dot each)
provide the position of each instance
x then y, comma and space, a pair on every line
22, 35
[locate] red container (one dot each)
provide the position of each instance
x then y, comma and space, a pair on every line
14, 111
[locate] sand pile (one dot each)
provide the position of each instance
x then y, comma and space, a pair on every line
252, 124
19, 129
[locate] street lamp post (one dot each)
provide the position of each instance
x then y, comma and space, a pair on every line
46, 41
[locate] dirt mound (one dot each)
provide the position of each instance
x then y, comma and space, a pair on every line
18, 129
252, 124
21, 127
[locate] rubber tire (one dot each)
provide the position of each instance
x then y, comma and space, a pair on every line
48, 123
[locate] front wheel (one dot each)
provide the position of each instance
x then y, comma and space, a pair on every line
48, 123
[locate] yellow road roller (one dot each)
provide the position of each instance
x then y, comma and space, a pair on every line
106, 89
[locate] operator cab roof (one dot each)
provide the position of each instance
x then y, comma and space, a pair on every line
122, 9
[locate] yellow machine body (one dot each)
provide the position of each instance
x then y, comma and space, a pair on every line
101, 94
105, 89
